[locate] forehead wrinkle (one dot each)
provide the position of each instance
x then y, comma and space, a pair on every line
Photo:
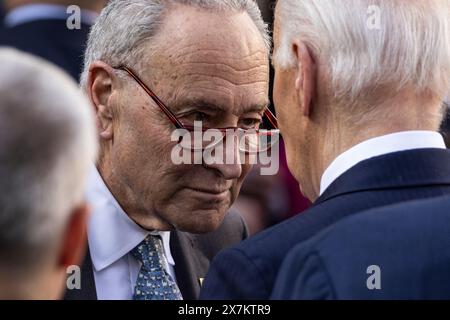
238, 62
222, 79
222, 74
236, 55
224, 65
235, 73
208, 54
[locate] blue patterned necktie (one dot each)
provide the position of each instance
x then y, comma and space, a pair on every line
153, 282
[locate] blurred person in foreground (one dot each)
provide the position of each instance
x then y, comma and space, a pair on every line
55, 30
47, 145
152, 67
359, 99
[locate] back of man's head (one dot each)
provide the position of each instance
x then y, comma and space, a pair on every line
349, 71
47, 144
371, 49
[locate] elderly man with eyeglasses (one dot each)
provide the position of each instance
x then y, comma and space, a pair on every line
152, 68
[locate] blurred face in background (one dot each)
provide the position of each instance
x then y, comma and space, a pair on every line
210, 68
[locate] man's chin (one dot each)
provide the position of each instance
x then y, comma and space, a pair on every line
202, 221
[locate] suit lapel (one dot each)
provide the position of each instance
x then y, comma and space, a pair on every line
190, 264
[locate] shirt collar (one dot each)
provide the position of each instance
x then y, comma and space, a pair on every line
400, 141
32, 12
111, 233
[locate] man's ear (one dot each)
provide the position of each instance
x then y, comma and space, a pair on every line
99, 88
74, 239
305, 78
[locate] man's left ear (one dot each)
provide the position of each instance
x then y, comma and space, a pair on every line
305, 78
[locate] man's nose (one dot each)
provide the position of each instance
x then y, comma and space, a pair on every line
229, 165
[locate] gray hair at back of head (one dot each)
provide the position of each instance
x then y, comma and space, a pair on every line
410, 46
47, 145
124, 28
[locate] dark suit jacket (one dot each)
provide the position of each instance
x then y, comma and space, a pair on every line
410, 243
192, 255
51, 40
248, 271
2, 15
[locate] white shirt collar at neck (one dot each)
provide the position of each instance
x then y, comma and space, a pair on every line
400, 141
111, 233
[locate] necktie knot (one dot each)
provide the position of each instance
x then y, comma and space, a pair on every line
150, 253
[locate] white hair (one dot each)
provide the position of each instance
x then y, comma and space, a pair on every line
47, 145
124, 28
368, 44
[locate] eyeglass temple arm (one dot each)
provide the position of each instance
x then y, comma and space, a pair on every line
272, 119
160, 104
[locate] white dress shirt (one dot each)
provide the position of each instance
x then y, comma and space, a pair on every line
400, 141
111, 236
32, 12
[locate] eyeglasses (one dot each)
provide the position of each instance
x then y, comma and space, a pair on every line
250, 140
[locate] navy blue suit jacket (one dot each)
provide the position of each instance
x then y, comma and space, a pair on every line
408, 243
51, 40
249, 270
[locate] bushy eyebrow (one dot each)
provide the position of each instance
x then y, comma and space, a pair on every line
204, 104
